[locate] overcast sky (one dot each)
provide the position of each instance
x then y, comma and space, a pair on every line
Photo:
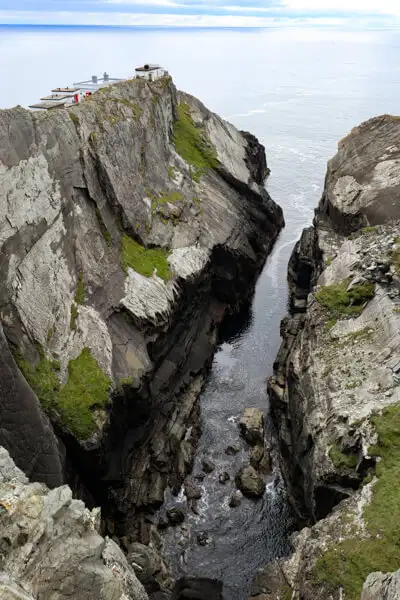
224, 13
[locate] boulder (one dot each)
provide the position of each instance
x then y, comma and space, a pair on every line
224, 477
192, 491
380, 586
207, 465
252, 426
235, 499
53, 543
232, 450
175, 515
250, 482
260, 459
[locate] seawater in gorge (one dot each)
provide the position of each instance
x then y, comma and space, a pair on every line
299, 91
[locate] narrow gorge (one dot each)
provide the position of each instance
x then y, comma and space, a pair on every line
135, 355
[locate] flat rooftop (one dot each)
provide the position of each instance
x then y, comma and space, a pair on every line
47, 105
66, 90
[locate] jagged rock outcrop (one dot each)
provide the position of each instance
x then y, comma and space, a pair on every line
380, 586
128, 226
51, 548
335, 389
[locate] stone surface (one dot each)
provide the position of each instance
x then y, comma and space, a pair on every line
336, 368
51, 546
175, 515
73, 184
379, 586
224, 477
250, 482
207, 465
235, 499
251, 426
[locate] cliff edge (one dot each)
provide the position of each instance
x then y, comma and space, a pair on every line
128, 226
335, 390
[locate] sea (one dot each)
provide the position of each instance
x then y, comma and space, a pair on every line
299, 91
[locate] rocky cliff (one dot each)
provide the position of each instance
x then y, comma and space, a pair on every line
128, 226
51, 548
335, 390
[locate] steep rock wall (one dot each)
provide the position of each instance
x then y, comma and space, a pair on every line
128, 226
335, 389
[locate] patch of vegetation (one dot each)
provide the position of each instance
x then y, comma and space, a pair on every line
368, 230
75, 120
352, 385
102, 225
192, 143
144, 260
339, 301
362, 334
74, 316
171, 172
329, 260
158, 200
93, 138
126, 381
42, 378
348, 563
341, 460
331, 323
87, 387
396, 309
50, 334
395, 257
285, 592
80, 290
135, 108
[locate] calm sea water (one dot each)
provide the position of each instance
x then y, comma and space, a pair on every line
299, 91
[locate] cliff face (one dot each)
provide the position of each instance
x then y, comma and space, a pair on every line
128, 226
51, 548
335, 389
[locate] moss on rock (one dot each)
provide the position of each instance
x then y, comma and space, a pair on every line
144, 260
338, 301
347, 564
192, 143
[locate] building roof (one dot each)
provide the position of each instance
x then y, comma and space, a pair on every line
66, 90
47, 105
146, 68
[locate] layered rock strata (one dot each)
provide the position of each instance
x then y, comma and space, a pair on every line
335, 389
128, 226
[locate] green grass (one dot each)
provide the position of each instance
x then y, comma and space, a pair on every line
144, 260
329, 260
74, 119
362, 334
368, 230
80, 290
135, 108
42, 378
171, 172
158, 200
348, 563
395, 257
331, 323
338, 301
192, 144
86, 388
341, 460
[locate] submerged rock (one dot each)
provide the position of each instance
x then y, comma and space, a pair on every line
235, 499
192, 491
251, 426
175, 515
250, 482
232, 450
224, 477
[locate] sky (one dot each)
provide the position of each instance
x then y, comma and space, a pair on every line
203, 13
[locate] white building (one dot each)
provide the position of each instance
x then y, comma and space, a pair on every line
150, 72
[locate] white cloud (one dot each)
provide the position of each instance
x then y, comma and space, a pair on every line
385, 7
169, 20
